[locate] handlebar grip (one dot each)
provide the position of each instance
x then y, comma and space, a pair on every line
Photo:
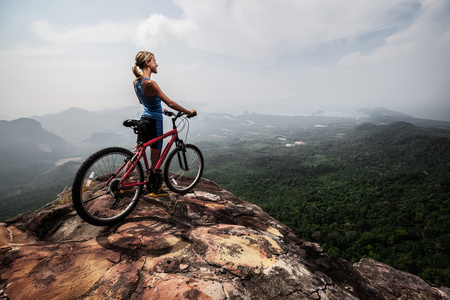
171, 114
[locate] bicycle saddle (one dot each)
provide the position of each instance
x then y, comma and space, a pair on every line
131, 123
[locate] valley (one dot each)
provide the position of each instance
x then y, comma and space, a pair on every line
376, 187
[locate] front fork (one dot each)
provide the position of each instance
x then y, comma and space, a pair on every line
182, 160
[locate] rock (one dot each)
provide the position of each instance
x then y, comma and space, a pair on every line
207, 244
394, 284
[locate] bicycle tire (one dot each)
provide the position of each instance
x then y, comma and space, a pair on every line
99, 202
178, 178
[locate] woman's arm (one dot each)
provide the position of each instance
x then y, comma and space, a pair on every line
151, 88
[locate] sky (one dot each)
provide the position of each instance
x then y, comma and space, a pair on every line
286, 57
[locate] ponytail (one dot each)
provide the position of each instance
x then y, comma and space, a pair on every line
141, 57
135, 70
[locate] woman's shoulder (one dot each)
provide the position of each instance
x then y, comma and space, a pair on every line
150, 87
143, 80
147, 83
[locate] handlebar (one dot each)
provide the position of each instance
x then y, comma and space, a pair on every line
136, 124
179, 114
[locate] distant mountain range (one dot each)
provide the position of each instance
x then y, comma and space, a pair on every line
78, 132
27, 151
21, 135
382, 115
77, 125
39, 145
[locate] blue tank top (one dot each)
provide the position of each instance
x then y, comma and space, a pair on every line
152, 105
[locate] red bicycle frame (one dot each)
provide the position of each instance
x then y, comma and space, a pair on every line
140, 153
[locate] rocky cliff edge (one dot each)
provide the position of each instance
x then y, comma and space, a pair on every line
204, 245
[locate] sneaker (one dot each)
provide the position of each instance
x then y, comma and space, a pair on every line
160, 193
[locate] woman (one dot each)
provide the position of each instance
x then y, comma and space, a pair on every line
150, 96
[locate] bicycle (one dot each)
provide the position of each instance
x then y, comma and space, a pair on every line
110, 182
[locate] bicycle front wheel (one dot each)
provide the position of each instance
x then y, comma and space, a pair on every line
183, 168
97, 194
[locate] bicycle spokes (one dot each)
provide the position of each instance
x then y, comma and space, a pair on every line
183, 168
109, 183
101, 195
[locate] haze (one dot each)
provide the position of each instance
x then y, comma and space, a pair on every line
265, 56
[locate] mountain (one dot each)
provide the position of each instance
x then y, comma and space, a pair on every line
76, 125
26, 137
70, 124
207, 244
27, 153
32, 151
82, 128
382, 115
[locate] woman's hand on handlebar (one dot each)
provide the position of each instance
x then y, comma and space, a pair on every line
192, 113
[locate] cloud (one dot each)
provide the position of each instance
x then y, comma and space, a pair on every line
428, 34
105, 32
309, 45
257, 28
33, 52
158, 29
268, 55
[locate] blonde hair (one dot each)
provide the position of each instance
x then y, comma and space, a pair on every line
141, 57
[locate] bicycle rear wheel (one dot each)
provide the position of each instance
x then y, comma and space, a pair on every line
183, 168
97, 195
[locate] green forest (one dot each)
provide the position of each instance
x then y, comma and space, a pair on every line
378, 192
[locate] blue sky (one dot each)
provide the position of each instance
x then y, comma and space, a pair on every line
267, 56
